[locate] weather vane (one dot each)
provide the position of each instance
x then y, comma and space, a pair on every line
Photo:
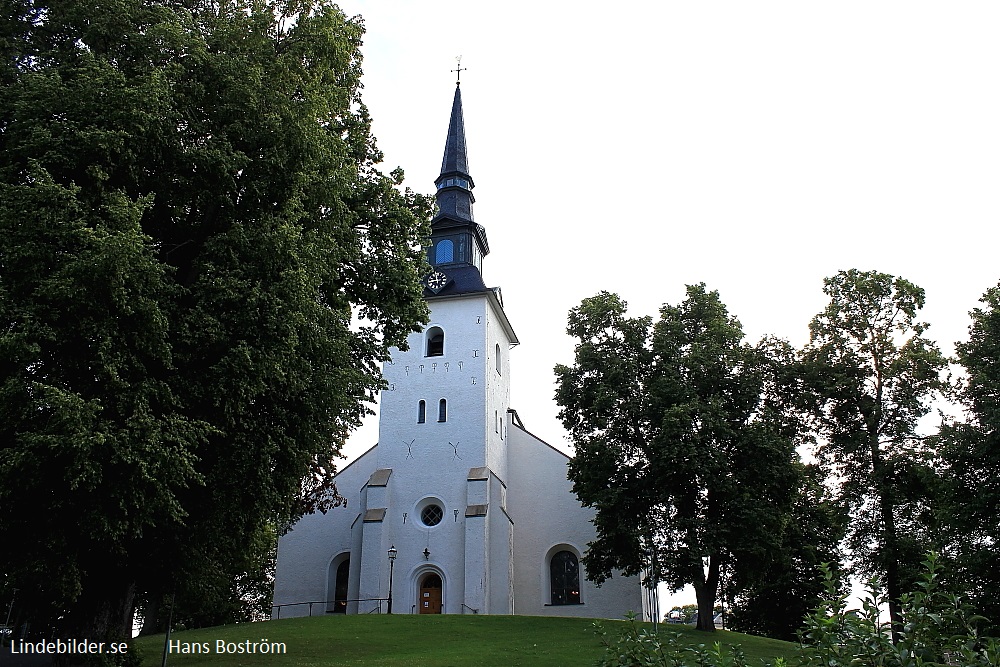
459, 69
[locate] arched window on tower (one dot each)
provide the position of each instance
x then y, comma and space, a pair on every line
421, 412
564, 576
444, 252
442, 410
498, 360
435, 342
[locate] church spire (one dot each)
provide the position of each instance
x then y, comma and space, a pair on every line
454, 185
457, 244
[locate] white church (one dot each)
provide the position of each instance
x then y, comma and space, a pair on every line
458, 509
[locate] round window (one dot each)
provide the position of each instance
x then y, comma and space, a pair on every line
431, 515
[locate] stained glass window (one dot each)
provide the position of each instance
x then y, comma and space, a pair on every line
564, 571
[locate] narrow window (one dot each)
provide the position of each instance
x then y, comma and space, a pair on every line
496, 421
421, 412
444, 252
498, 360
435, 342
564, 572
442, 410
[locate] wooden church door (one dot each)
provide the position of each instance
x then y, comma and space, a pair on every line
430, 595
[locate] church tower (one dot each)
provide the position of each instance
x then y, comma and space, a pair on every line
439, 492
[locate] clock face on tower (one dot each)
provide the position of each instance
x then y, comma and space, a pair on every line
437, 281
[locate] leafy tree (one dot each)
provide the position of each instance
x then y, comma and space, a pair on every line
774, 598
683, 445
869, 376
191, 215
969, 506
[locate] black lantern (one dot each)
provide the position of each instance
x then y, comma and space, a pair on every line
392, 561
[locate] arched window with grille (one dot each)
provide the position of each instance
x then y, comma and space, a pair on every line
442, 410
564, 576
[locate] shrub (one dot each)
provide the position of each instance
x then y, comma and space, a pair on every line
938, 630
635, 647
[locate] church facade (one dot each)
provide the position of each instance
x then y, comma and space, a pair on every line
458, 509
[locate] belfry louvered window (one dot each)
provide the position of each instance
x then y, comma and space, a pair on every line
444, 252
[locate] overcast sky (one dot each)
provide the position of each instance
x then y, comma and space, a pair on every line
757, 147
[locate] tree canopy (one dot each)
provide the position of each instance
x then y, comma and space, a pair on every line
683, 444
192, 226
869, 375
774, 598
969, 450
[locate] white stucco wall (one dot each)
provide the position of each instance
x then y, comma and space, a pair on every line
548, 518
306, 551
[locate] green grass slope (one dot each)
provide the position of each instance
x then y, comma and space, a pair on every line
425, 641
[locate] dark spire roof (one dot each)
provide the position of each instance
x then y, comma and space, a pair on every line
458, 243
456, 156
454, 185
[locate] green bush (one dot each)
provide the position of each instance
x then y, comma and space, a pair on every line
938, 630
635, 647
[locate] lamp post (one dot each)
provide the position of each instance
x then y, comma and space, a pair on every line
392, 561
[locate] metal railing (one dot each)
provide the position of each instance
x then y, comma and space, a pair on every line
276, 608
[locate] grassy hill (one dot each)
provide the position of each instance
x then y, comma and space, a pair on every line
424, 641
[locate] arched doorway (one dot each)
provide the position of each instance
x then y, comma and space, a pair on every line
429, 601
336, 601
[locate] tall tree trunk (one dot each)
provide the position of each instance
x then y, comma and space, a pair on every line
705, 592
893, 586
102, 613
890, 549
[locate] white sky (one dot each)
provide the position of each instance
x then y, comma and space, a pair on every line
759, 146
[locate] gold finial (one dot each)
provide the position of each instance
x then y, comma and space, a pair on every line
459, 69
